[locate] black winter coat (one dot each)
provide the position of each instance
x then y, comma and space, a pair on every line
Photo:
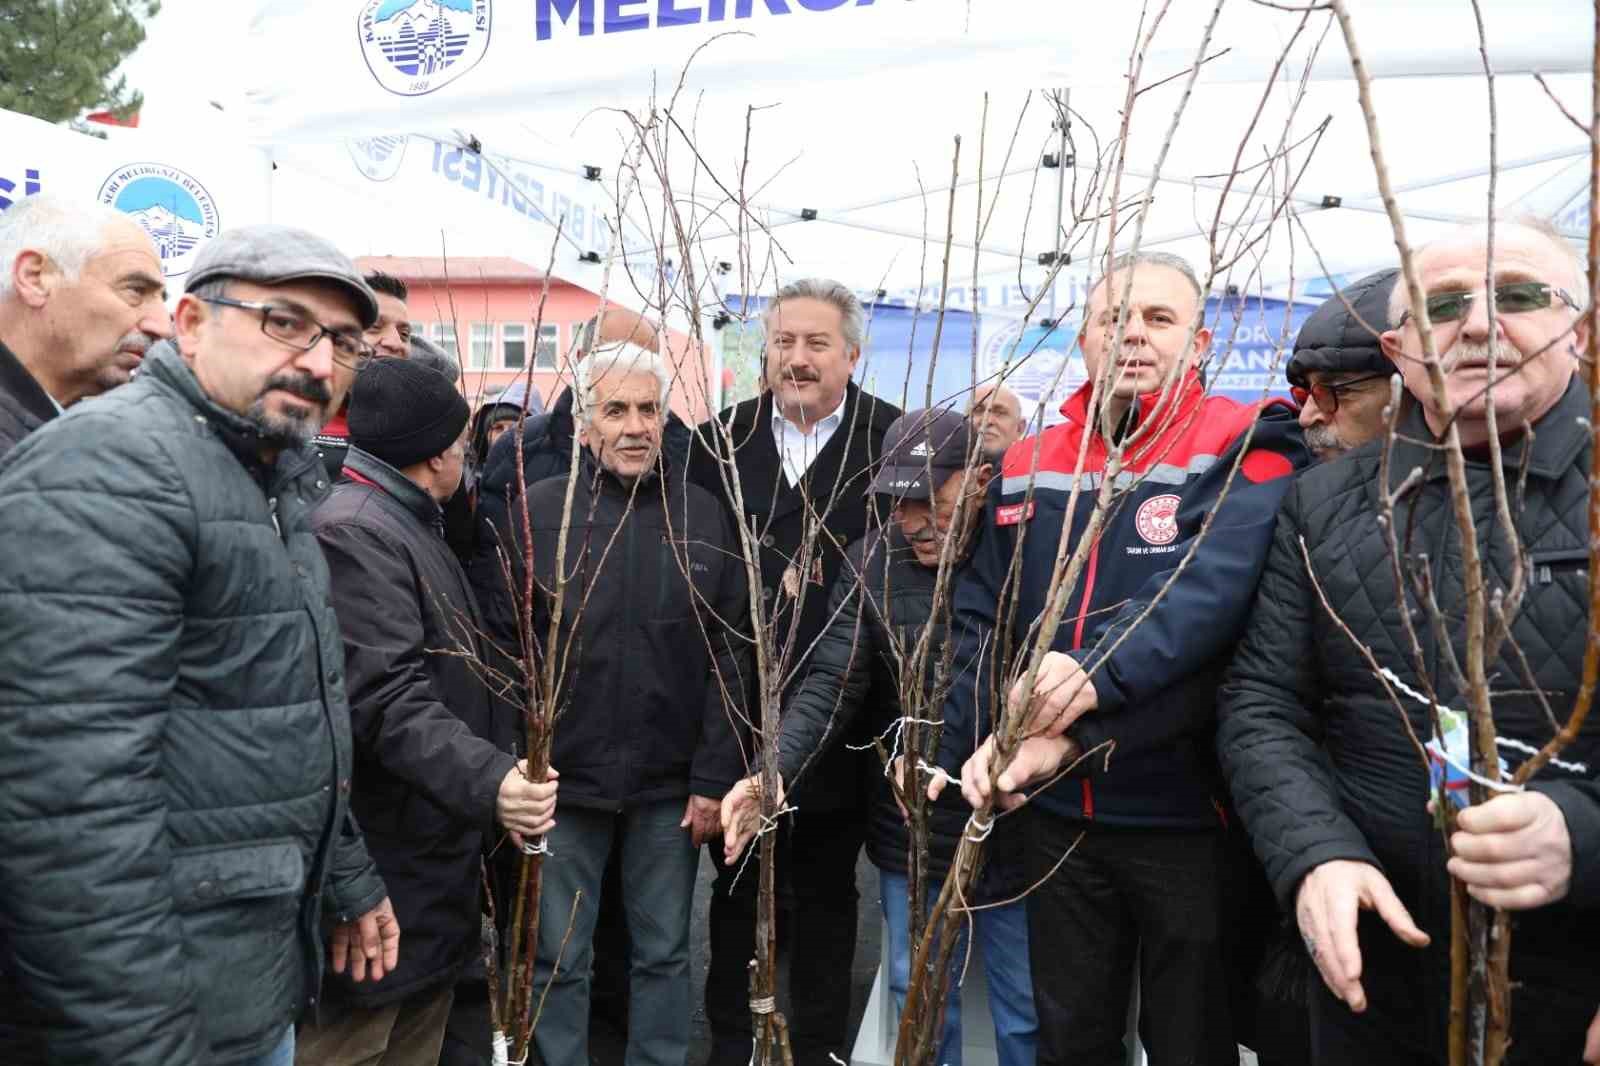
174, 736
546, 453
853, 687
1318, 762
24, 405
837, 487
431, 743
643, 717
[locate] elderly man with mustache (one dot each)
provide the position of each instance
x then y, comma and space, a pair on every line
1328, 784
82, 299
174, 730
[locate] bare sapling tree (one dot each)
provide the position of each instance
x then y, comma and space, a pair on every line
1014, 655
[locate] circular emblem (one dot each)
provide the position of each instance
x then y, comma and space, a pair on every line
1157, 519
378, 158
168, 204
413, 47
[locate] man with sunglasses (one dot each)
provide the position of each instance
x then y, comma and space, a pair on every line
1330, 786
1338, 374
174, 729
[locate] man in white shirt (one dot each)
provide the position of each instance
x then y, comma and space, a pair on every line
803, 453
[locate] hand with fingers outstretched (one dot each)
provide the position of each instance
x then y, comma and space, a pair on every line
741, 816
1326, 906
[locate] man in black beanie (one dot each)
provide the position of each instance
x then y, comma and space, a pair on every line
1338, 374
432, 769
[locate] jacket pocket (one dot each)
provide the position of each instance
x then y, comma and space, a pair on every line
239, 909
205, 877
1552, 563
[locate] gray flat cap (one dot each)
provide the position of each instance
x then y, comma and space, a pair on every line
273, 255
1335, 341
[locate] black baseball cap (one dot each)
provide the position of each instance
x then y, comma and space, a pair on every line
921, 449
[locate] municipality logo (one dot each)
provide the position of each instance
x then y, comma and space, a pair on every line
378, 158
416, 46
170, 205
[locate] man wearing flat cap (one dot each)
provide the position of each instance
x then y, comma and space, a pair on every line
934, 477
1338, 374
174, 734
433, 769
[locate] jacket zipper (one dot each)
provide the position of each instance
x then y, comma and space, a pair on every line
272, 512
1077, 643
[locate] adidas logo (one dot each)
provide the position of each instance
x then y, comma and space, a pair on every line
921, 450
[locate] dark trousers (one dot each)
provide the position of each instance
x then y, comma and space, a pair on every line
816, 877
1161, 899
1548, 1022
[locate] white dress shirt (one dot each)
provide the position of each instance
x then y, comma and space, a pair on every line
799, 450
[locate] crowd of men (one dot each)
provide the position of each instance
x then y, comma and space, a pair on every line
273, 601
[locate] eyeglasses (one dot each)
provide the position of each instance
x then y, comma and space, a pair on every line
1327, 394
298, 330
1512, 298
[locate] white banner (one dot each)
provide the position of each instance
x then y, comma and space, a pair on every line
315, 69
182, 191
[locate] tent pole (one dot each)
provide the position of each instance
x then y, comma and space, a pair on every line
1063, 122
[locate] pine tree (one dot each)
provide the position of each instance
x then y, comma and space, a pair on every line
57, 57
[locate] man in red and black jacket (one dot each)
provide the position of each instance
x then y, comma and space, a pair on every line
1135, 662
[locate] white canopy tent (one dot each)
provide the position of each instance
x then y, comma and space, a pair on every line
840, 117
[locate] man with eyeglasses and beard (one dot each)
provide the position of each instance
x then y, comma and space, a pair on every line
1328, 783
174, 730
1338, 374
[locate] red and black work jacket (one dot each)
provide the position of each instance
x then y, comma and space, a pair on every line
1157, 607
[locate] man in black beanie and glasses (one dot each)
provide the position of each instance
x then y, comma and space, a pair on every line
433, 771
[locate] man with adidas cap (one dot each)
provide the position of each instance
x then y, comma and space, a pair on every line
431, 772
174, 735
934, 477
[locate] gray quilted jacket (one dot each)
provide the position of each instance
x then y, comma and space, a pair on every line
174, 736
1314, 749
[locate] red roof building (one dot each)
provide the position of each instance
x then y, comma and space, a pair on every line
484, 310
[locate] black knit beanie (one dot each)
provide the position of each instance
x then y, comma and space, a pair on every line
403, 412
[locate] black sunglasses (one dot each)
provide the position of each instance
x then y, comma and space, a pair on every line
1512, 298
1327, 394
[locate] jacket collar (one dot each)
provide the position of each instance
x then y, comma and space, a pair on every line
163, 364
1557, 438
369, 469
15, 379
1181, 400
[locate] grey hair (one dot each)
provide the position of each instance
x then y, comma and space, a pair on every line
1142, 258
69, 231
852, 316
625, 359
424, 352
1400, 299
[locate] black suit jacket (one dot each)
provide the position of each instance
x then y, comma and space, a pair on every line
24, 405
836, 492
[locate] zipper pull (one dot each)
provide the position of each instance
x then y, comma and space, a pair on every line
272, 511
